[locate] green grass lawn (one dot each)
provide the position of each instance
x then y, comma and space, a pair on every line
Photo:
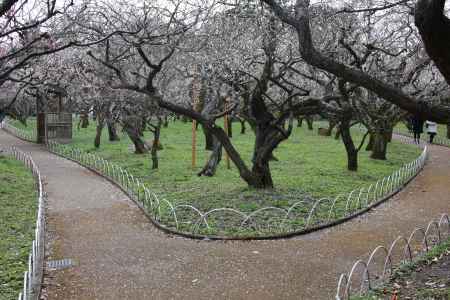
308, 164
310, 167
17, 220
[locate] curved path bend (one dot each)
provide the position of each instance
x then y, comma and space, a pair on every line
120, 255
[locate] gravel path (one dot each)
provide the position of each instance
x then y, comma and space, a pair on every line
120, 255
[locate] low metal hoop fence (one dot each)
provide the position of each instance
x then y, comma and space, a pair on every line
304, 216
366, 275
26, 135
438, 140
278, 222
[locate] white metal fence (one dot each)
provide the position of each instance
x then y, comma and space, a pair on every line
438, 140
33, 276
317, 213
373, 272
23, 134
305, 215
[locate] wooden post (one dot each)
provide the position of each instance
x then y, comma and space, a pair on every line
41, 122
225, 125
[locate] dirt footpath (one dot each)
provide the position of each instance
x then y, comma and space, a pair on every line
118, 254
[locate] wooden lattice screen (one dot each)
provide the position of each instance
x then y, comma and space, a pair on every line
59, 126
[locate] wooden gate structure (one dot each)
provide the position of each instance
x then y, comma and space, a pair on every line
54, 121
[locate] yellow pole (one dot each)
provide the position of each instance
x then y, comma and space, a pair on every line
195, 96
225, 125
194, 144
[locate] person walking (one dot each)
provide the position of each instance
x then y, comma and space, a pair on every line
431, 130
417, 125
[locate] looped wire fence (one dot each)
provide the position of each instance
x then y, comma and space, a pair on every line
304, 216
33, 276
367, 275
213, 223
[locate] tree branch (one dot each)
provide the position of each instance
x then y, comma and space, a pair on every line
301, 23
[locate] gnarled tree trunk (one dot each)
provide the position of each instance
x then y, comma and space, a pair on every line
434, 28
379, 146
84, 120
112, 131
155, 146
338, 133
352, 152
98, 134
267, 139
135, 137
370, 143
310, 121
331, 126
230, 127
210, 167
243, 128
209, 139
262, 177
211, 142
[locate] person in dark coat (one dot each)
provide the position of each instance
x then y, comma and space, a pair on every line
417, 125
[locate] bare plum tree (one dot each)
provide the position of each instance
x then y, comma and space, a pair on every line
299, 17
